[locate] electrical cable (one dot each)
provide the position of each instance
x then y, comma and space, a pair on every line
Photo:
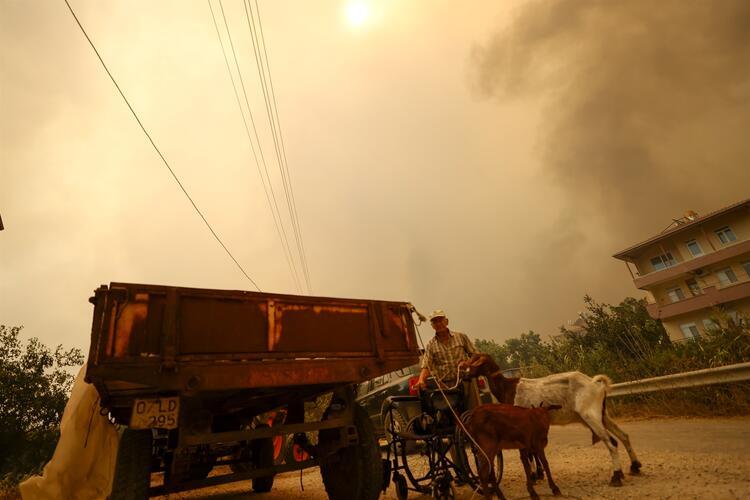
275, 122
283, 164
143, 128
255, 131
285, 247
272, 126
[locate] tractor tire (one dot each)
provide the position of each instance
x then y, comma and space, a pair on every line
263, 451
133, 466
355, 472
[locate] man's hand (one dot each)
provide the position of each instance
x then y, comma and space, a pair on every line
421, 384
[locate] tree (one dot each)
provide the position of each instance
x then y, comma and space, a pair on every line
527, 350
499, 353
626, 329
34, 388
621, 340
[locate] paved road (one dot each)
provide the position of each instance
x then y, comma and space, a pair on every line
682, 459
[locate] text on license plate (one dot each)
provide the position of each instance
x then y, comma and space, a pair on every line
160, 413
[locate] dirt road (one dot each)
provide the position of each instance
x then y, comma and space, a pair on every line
682, 459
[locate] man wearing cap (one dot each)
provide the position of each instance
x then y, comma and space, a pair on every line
442, 355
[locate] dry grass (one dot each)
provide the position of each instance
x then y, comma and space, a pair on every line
713, 401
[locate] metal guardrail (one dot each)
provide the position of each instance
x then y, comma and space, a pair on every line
739, 372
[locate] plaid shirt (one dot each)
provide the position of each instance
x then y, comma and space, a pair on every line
442, 358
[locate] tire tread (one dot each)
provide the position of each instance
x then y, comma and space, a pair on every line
132, 477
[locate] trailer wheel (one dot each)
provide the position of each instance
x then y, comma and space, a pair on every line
263, 451
355, 472
133, 467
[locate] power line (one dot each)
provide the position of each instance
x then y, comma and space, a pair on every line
216, 236
276, 128
284, 243
272, 125
283, 150
255, 132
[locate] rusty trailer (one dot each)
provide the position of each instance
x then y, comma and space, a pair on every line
192, 373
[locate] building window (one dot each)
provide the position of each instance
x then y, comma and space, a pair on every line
733, 318
709, 324
689, 330
746, 267
693, 286
695, 248
726, 276
675, 294
726, 235
663, 261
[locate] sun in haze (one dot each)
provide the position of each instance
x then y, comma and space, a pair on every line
357, 12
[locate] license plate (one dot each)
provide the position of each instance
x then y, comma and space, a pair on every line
157, 413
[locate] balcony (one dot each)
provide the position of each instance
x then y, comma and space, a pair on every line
711, 297
728, 252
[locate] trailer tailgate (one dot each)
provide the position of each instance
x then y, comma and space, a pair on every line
158, 338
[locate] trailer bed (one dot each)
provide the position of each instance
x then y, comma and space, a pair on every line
150, 339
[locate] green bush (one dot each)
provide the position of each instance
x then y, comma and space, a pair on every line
34, 388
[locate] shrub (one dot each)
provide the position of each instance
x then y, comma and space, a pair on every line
34, 388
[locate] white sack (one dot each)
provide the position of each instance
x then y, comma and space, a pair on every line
83, 464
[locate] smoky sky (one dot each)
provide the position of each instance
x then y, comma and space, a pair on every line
486, 160
646, 108
647, 103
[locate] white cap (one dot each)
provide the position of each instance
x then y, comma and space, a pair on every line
438, 313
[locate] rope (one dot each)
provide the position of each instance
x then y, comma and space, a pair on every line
458, 418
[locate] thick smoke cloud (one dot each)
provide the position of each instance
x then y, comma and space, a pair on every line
647, 104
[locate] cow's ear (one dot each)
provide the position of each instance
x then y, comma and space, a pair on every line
476, 360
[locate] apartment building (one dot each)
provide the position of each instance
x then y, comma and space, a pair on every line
698, 266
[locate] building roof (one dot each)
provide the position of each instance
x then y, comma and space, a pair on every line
635, 249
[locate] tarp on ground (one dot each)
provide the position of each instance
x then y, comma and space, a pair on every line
83, 464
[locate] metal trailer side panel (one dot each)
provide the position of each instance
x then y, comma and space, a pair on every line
157, 338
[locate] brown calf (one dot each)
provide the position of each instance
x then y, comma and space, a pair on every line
497, 427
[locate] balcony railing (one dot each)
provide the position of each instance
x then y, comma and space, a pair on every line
648, 280
711, 297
